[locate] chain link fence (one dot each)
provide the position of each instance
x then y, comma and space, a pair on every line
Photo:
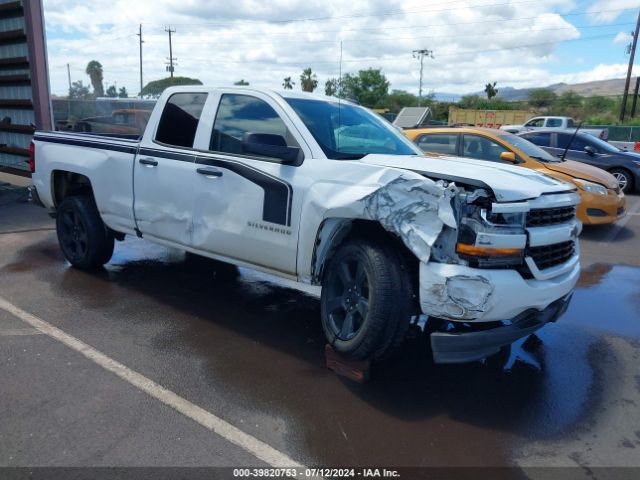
620, 133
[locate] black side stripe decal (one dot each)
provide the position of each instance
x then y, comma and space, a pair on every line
278, 194
88, 143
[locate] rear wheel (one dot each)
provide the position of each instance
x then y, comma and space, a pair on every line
366, 300
85, 240
625, 181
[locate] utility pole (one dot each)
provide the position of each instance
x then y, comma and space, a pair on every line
170, 67
69, 75
635, 98
141, 42
626, 84
421, 54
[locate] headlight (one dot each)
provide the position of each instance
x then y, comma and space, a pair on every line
590, 186
491, 240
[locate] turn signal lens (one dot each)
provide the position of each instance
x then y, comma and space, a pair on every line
487, 251
32, 157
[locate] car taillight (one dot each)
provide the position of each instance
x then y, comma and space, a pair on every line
32, 157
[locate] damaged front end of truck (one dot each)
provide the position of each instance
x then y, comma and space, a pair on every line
489, 272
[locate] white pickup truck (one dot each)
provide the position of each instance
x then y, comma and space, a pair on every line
559, 123
326, 193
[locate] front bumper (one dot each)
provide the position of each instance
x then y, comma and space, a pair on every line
463, 294
597, 209
472, 344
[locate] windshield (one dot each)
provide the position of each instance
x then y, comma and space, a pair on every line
599, 144
345, 131
528, 148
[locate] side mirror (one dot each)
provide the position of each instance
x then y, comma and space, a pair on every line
508, 157
269, 145
590, 150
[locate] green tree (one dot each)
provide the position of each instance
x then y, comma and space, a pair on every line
122, 93
490, 90
94, 70
308, 80
241, 83
330, 87
111, 92
569, 103
287, 83
369, 87
79, 91
542, 98
155, 88
470, 101
398, 99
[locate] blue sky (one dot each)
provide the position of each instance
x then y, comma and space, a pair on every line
520, 43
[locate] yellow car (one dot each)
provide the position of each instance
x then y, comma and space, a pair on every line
601, 198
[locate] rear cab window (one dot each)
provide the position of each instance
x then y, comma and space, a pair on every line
438, 143
180, 118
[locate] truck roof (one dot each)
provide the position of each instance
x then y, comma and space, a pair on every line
239, 89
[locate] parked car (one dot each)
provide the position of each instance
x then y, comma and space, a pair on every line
601, 199
122, 121
623, 165
558, 123
263, 179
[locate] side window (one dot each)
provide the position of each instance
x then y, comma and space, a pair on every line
554, 122
540, 139
239, 115
577, 144
482, 148
570, 123
535, 122
438, 143
180, 118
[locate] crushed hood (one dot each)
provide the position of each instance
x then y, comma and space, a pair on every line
508, 183
586, 172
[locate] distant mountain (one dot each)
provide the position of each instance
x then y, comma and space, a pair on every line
587, 89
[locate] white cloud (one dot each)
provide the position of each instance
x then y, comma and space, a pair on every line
604, 11
622, 38
220, 42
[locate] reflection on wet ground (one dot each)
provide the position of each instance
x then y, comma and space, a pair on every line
259, 345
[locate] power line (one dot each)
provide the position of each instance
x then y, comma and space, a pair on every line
482, 34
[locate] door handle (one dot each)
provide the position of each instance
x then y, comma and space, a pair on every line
209, 172
148, 161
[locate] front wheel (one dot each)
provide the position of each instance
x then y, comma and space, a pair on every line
85, 240
366, 300
625, 181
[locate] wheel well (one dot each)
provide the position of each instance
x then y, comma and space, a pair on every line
347, 230
66, 184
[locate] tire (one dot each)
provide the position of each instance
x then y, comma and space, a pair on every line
84, 239
624, 178
366, 300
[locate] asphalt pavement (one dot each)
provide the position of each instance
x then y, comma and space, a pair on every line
156, 361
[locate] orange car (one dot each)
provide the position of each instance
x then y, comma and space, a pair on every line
601, 198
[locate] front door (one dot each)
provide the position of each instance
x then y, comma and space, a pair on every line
246, 206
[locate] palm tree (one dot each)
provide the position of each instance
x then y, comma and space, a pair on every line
330, 87
308, 80
94, 70
287, 84
490, 90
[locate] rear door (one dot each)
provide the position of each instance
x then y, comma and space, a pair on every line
164, 171
441, 143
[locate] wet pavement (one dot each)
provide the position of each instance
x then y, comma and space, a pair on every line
249, 348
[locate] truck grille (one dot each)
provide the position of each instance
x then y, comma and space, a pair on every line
548, 256
550, 216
